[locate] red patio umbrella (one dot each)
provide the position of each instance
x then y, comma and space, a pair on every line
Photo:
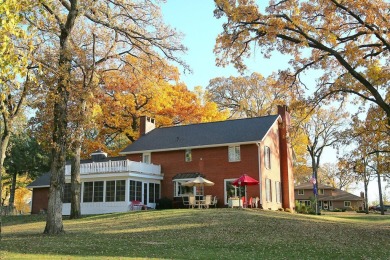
244, 180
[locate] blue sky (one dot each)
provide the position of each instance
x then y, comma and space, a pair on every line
195, 19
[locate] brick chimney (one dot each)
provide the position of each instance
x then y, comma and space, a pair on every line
286, 161
146, 125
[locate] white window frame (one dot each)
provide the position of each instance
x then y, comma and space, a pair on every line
267, 157
268, 190
176, 189
347, 202
234, 153
278, 189
301, 192
236, 190
146, 158
321, 191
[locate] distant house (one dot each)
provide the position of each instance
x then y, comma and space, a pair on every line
162, 159
329, 198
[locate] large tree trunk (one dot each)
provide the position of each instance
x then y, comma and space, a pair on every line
75, 210
11, 202
54, 211
380, 193
3, 147
365, 197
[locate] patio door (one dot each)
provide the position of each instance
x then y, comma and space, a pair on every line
232, 191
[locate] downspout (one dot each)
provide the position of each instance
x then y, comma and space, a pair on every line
260, 177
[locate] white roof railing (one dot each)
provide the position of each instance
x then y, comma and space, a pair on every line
116, 167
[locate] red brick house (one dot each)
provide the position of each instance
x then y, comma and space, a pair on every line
221, 152
162, 159
329, 198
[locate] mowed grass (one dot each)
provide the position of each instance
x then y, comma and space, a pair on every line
201, 234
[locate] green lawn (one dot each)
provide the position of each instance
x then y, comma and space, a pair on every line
201, 234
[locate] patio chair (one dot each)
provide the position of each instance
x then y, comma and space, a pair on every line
185, 200
250, 202
214, 202
207, 201
255, 202
243, 202
191, 201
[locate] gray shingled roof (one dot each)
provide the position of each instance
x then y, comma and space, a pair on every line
204, 134
41, 182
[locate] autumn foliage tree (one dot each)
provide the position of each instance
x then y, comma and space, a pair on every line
254, 95
15, 80
120, 28
347, 42
140, 88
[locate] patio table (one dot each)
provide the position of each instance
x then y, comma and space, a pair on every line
200, 203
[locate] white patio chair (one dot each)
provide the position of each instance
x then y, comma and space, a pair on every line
207, 201
191, 201
255, 202
214, 202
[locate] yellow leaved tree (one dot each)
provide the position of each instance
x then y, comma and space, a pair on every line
347, 42
15, 80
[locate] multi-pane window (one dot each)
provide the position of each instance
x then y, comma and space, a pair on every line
88, 192
154, 192
307, 203
180, 190
320, 191
135, 191
267, 157
347, 204
234, 153
93, 191
301, 192
67, 193
278, 191
268, 190
110, 191
188, 155
98, 191
115, 190
120, 194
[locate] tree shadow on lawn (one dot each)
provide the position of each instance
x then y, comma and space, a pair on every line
202, 234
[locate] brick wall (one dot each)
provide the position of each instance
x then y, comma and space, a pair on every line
212, 162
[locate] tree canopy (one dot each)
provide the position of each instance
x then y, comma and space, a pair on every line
346, 41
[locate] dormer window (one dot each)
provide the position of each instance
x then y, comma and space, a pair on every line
146, 158
188, 155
